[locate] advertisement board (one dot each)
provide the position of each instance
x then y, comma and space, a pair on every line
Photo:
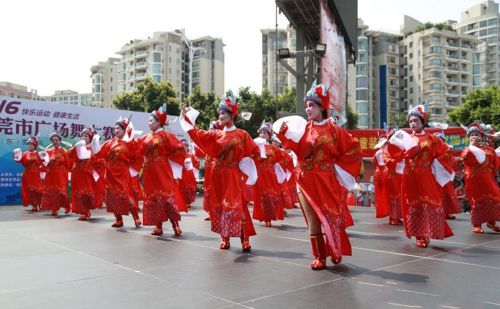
20, 119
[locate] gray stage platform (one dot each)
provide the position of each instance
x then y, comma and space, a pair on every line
61, 262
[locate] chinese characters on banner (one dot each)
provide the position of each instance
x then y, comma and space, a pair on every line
20, 119
455, 137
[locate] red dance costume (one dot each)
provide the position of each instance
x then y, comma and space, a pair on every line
83, 184
481, 187
31, 183
187, 185
268, 204
159, 148
229, 215
388, 182
118, 156
55, 194
379, 181
321, 146
423, 211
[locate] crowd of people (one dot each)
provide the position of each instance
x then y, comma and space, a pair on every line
313, 164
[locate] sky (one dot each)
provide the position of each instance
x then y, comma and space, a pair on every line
51, 45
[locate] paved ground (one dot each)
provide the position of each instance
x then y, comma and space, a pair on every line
64, 263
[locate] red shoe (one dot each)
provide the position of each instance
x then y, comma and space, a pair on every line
35, 209
450, 217
83, 218
224, 245
157, 232
207, 218
53, 213
67, 210
477, 229
395, 222
493, 227
337, 260
177, 228
319, 252
422, 242
268, 223
137, 222
117, 224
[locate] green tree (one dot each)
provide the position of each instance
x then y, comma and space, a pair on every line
206, 104
286, 102
148, 96
352, 118
262, 107
481, 105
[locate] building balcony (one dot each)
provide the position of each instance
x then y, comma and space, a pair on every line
453, 80
141, 54
141, 65
452, 68
140, 76
433, 54
452, 93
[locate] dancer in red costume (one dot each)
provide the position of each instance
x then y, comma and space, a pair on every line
118, 153
268, 203
287, 184
31, 182
165, 156
390, 184
187, 184
449, 198
232, 150
481, 165
380, 179
428, 165
83, 175
55, 193
328, 157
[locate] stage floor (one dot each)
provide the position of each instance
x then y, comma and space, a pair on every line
61, 262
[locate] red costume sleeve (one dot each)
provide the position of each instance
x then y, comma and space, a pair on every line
443, 154
349, 151
205, 140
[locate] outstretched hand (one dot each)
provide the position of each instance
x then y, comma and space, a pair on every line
283, 128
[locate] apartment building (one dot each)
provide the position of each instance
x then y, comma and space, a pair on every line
104, 82
207, 63
483, 22
16, 91
69, 97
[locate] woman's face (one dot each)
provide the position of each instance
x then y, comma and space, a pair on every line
86, 138
153, 124
119, 131
56, 142
31, 147
415, 123
313, 110
475, 139
264, 134
225, 117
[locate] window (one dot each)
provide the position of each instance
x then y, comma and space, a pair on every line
476, 69
362, 57
436, 74
411, 44
492, 31
156, 57
483, 32
363, 120
492, 21
155, 68
411, 56
361, 69
362, 107
157, 78
362, 95
438, 62
436, 86
362, 82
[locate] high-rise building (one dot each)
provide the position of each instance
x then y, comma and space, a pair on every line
275, 76
483, 22
104, 82
374, 81
437, 66
69, 97
166, 56
163, 57
208, 65
16, 91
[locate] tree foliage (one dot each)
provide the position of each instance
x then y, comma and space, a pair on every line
206, 104
352, 118
481, 105
148, 96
